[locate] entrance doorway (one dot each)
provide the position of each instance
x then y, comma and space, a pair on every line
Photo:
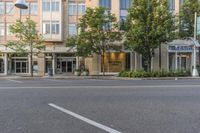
67, 66
1, 66
19, 66
182, 63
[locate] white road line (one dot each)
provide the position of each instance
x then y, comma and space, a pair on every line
55, 80
16, 81
101, 87
91, 122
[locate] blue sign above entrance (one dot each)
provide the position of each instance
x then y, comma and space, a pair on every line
180, 49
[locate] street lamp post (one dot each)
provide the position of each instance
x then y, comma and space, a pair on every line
21, 4
194, 71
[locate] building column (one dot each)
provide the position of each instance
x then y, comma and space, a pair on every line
6, 64
53, 63
176, 61
29, 64
131, 61
136, 60
77, 62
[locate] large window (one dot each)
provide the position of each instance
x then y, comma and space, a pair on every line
55, 5
34, 8
171, 4
72, 9
72, 30
55, 27
46, 5
81, 9
125, 4
46, 27
9, 7
2, 8
105, 3
24, 11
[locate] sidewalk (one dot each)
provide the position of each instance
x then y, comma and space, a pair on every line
95, 77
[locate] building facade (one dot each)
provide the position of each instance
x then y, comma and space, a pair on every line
58, 19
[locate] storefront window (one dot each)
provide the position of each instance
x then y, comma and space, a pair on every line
115, 62
1, 66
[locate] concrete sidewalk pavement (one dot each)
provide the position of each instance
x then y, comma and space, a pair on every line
95, 77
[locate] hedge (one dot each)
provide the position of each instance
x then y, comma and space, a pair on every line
162, 73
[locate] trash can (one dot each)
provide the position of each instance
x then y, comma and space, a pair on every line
50, 72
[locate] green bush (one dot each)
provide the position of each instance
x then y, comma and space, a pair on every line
161, 73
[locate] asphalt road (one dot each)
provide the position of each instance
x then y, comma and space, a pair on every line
99, 106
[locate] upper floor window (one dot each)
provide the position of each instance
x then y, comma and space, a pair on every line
105, 3
2, 8
171, 4
33, 8
55, 27
46, 5
72, 9
9, 7
81, 9
72, 29
55, 5
125, 4
24, 11
46, 27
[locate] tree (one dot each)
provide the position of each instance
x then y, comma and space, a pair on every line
149, 24
29, 40
186, 16
99, 32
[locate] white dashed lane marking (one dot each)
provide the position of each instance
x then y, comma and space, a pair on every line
91, 122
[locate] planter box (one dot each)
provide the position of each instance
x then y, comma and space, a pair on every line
77, 73
85, 73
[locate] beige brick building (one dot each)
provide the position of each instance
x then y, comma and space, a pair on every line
58, 19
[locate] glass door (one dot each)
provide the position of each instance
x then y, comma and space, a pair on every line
21, 66
69, 66
64, 66
1, 66
182, 63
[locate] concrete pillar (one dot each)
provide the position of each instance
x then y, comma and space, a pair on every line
29, 64
54, 63
136, 60
6, 64
176, 61
77, 62
131, 61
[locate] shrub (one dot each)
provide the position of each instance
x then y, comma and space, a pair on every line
161, 73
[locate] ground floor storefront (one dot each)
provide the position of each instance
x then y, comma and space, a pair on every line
178, 55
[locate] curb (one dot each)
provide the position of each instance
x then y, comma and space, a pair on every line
98, 77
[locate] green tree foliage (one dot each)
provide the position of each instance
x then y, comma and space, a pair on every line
29, 40
98, 33
187, 12
149, 24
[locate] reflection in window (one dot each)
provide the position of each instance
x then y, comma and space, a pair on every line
34, 8
9, 7
105, 3
2, 8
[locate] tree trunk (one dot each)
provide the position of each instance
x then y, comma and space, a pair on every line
31, 60
149, 62
103, 64
160, 61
